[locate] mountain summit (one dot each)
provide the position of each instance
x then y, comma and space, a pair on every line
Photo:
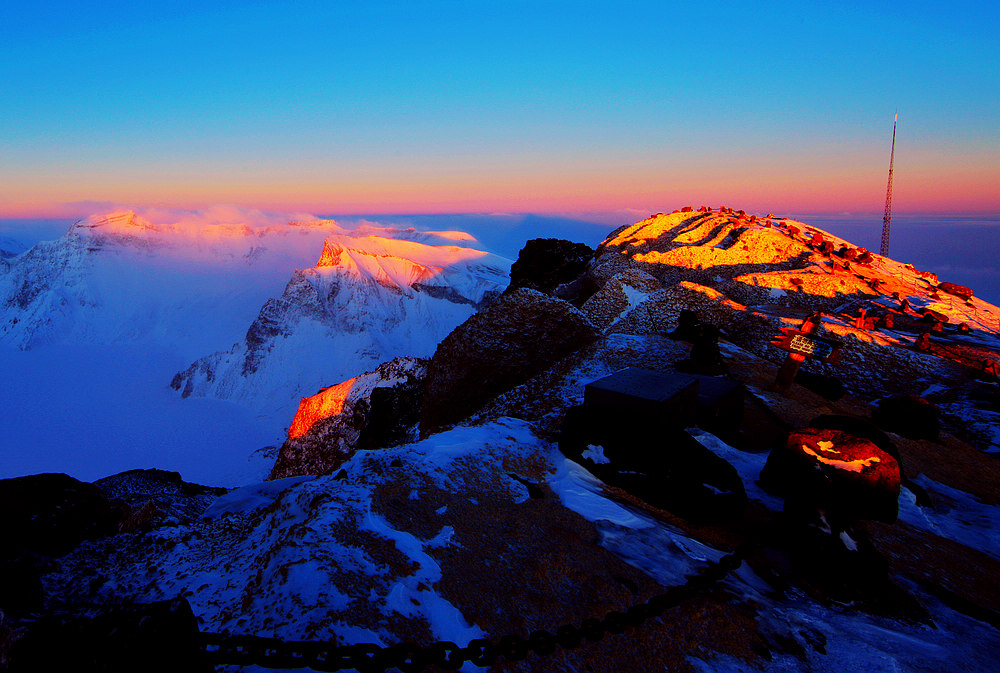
611, 467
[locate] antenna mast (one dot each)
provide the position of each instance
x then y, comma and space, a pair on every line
887, 217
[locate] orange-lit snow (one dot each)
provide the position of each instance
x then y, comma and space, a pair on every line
392, 263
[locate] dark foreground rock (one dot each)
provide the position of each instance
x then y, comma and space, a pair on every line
520, 335
160, 636
908, 415
662, 465
52, 513
555, 267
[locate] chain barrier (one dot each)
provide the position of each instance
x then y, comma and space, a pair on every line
218, 649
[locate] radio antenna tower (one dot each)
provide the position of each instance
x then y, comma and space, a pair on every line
887, 217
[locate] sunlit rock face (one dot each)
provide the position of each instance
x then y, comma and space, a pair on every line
369, 299
371, 410
752, 275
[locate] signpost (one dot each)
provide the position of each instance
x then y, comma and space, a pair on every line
802, 343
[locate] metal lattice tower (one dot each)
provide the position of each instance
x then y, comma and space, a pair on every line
887, 217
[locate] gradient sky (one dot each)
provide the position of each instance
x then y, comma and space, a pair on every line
552, 107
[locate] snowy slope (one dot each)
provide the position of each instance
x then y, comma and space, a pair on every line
95, 324
121, 279
367, 300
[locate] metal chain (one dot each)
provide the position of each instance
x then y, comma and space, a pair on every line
273, 653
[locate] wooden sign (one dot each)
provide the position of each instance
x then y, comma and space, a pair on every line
807, 345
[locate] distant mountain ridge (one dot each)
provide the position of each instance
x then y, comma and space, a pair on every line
367, 300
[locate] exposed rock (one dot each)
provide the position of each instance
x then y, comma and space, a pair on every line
836, 471
859, 427
544, 398
52, 513
957, 290
697, 247
520, 335
908, 415
661, 312
20, 587
373, 410
831, 560
829, 387
619, 295
553, 266
155, 496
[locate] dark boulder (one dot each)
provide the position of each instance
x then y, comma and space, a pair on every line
911, 416
522, 334
52, 513
662, 465
555, 267
826, 386
820, 469
831, 560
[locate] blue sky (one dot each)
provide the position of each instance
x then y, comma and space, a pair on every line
438, 106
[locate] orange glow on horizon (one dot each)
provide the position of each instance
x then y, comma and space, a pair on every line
772, 188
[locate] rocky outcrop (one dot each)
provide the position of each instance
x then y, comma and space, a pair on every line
702, 247
663, 466
372, 410
52, 513
957, 290
619, 296
496, 349
555, 267
156, 496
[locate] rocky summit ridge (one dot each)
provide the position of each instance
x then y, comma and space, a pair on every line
604, 432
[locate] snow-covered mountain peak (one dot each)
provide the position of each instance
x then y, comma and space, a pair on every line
398, 264
368, 299
118, 222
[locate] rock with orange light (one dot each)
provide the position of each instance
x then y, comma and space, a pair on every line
837, 471
372, 410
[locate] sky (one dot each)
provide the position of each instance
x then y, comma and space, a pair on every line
487, 107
